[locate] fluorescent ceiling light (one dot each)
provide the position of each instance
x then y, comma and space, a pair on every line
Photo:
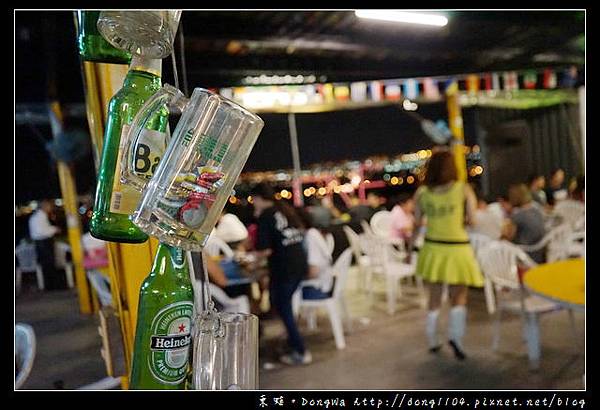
403, 17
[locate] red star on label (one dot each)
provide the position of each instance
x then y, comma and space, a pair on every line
181, 328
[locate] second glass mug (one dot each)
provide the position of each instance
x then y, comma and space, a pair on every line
149, 33
184, 197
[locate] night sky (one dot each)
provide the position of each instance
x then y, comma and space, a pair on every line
46, 46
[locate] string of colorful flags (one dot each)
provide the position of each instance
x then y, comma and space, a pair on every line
418, 89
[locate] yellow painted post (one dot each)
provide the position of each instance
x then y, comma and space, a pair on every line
455, 122
69, 196
129, 264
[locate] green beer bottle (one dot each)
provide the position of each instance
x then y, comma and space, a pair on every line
161, 353
92, 46
115, 201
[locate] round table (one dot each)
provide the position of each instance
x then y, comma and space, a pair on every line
562, 282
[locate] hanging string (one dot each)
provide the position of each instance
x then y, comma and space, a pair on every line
174, 62
182, 58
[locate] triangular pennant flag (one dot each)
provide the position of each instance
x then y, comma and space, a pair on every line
549, 78
430, 89
569, 78
358, 91
511, 81
376, 89
487, 82
341, 92
473, 83
530, 80
327, 91
392, 92
411, 89
495, 81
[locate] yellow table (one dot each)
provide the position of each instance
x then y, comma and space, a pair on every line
562, 282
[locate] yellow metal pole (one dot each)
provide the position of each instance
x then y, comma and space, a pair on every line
129, 264
455, 122
69, 195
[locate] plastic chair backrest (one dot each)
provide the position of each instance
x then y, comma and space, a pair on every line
366, 228
229, 304
381, 223
354, 241
101, 285
559, 240
569, 211
25, 347
27, 256
478, 241
341, 267
215, 245
499, 262
60, 255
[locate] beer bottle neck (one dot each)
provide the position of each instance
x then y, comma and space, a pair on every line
149, 65
170, 260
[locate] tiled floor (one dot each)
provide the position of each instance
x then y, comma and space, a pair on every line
383, 351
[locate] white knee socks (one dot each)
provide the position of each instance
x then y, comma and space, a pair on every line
456, 324
431, 328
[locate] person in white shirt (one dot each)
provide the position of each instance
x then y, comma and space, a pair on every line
319, 244
231, 230
42, 232
487, 221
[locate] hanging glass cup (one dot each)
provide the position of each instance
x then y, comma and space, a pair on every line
187, 191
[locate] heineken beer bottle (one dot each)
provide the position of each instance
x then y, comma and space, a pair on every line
115, 201
161, 354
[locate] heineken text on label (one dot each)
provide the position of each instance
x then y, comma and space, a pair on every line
170, 343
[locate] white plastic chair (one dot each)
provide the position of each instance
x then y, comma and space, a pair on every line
569, 211
381, 223
576, 247
61, 250
101, 285
362, 260
215, 245
336, 305
500, 260
393, 269
25, 347
27, 259
240, 304
479, 242
556, 242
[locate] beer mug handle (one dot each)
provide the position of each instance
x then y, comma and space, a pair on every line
167, 95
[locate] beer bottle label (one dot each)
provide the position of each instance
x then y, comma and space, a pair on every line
148, 151
170, 343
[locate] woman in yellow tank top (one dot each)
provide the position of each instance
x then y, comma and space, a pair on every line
446, 256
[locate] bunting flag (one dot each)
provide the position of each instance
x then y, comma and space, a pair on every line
376, 88
341, 92
326, 90
358, 91
430, 89
495, 81
411, 89
530, 80
569, 78
227, 93
392, 92
487, 82
549, 78
511, 81
473, 83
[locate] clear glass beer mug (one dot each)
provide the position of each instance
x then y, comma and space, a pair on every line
149, 33
188, 189
225, 355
